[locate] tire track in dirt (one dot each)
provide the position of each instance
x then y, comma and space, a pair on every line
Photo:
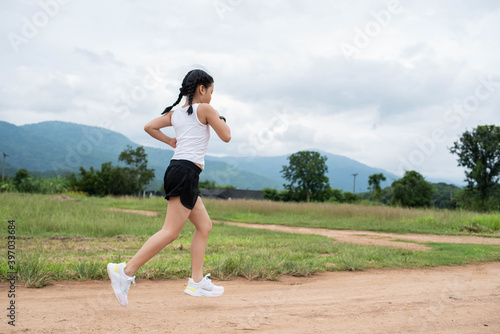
140, 212
375, 238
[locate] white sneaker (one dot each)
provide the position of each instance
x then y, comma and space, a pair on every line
120, 281
203, 288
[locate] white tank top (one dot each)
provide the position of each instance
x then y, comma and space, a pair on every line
192, 135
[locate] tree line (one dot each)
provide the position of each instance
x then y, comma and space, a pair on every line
477, 150
109, 180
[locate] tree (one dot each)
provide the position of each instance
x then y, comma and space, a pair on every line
444, 197
110, 180
21, 174
412, 191
374, 183
306, 174
479, 152
115, 180
137, 161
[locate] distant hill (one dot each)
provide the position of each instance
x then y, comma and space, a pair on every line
58, 147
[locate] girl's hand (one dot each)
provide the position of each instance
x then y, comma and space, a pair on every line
172, 141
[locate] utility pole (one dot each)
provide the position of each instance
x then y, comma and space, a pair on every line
354, 184
3, 171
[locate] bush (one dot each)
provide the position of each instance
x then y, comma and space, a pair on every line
5, 186
271, 194
470, 199
206, 184
34, 185
350, 197
336, 195
292, 196
110, 180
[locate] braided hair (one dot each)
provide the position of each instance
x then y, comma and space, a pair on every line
191, 81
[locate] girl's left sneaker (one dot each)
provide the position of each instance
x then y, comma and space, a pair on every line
120, 281
203, 288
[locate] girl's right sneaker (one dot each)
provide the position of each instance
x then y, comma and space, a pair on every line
203, 288
120, 281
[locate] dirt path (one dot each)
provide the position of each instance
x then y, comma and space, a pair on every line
435, 300
140, 212
376, 238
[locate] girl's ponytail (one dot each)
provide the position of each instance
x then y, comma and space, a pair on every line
191, 81
167, 109
190, 98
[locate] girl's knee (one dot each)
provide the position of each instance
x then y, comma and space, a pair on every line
209, 227
205, 228
170, 234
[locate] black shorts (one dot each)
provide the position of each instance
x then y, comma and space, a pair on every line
181, 179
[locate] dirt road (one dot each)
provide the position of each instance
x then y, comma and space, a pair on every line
436, 300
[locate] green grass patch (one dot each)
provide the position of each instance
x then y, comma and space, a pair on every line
487, 223
39, 215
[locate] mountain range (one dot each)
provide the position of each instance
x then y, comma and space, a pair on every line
56, 148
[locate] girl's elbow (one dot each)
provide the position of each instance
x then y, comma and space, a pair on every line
148, 128
227, 137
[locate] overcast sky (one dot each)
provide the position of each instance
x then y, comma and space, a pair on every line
388, 83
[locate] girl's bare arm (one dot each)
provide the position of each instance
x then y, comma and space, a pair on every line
153, 129
211, 116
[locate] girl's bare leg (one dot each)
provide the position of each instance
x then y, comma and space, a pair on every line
199, 217
177, 215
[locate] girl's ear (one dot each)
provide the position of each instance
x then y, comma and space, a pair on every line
202, 89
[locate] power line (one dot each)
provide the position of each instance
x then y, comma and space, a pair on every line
5, 155
354, 184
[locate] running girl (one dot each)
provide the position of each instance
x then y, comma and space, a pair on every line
191, 125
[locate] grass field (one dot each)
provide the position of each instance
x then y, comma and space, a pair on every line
73, 240
334, 216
